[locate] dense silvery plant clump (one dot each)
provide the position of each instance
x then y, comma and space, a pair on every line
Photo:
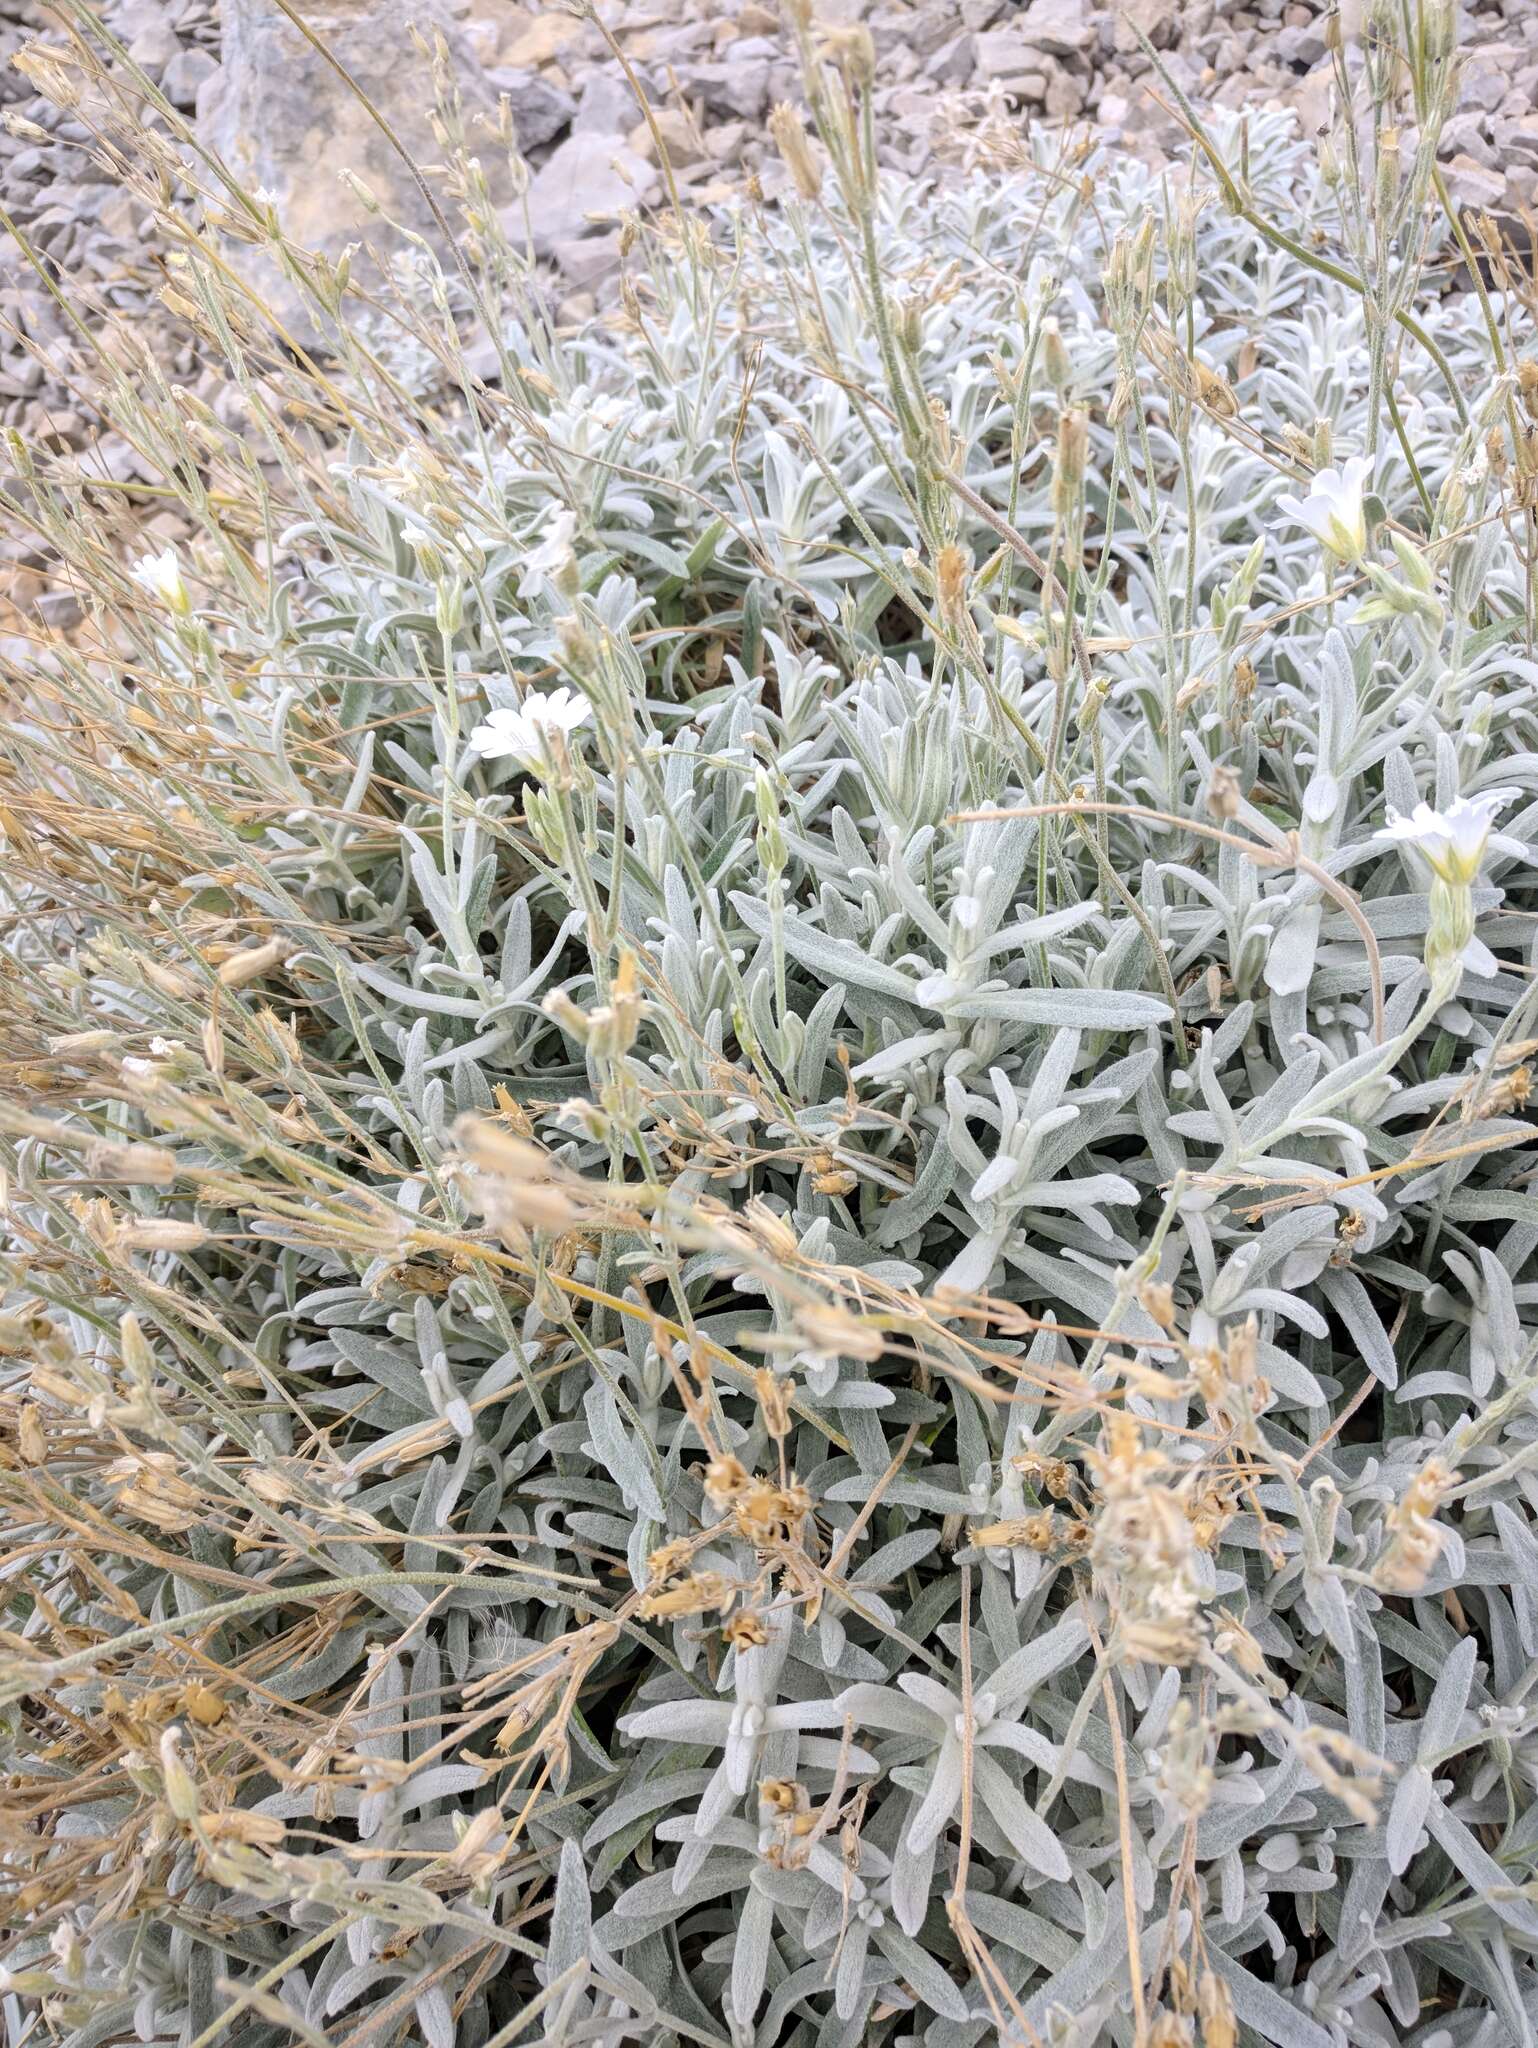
767, 1186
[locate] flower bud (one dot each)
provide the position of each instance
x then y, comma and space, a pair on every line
1055, 359
450, 608
771, 836
1388, 173
425, 547
1072, 451
180, 1786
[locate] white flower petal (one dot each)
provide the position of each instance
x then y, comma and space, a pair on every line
1452, 842
524, 735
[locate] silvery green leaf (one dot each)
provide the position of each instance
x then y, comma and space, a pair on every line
1038, 1661
681, 1721
1407, 1816
1352, 1303
435, 2016
1479, 1870
1073, 1009
1449, 1698
916, 1967
911, 1881
1274, 2018
750, 1952
647, 1797
849, 1987
939, 1800
1294, 945
613, 1447
1027, 1833
880, 1706
403, 1378
832, 960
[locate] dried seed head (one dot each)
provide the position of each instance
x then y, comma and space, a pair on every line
1215, 2009
698, 1593
1023, 1532
953, 566
180, 1786
1072, 454
794, 145
1224, 796
202, 1705
141, 1165
1170, 2030
746, 1630
774, 1395
832, 1331
783, 1795
1511, 1094
1349, 1231
1415, 1541
851, 48
724, 1478
1158, 1298
667, 1561
31, 1439
1051, 1475
771, 1230
769, 1515
73, 1043
1215, 392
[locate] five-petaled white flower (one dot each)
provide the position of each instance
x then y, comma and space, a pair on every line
1451, 842
161, 575
525, 735
1332, 511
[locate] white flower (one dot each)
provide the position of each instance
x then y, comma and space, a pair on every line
1332, 511
524, 735
161, 575
1451, 842
553, 552
424, 545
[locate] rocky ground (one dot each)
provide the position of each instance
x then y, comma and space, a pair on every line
951, 72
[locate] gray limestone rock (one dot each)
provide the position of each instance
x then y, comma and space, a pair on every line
286, 123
